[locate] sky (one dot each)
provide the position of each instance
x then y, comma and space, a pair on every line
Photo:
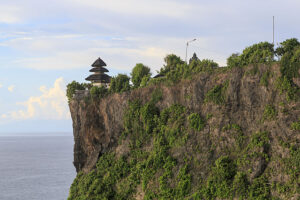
46, 44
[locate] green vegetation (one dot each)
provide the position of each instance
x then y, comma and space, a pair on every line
120, 83
72, 87
98, 92
289, 51
217, 94
140, 75
166, 158
296, 125
196, 121
258, 53
265, 79
270, 113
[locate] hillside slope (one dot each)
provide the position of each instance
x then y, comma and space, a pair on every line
222, 135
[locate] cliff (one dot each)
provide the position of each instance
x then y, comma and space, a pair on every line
227, 134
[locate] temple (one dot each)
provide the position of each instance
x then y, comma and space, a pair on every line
99, 78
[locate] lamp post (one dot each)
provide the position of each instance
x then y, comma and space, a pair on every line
187, 44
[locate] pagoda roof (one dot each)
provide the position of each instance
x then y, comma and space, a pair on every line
99, 69
99, 63
103, 78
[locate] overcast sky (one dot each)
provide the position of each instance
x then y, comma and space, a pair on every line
46, 44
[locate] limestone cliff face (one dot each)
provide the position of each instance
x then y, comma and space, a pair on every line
97, 125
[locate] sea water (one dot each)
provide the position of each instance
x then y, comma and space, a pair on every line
36, 167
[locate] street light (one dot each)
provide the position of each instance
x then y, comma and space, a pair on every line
187, 44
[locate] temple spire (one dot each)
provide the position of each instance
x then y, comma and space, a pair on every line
99, 78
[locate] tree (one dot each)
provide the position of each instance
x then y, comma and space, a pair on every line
72, 87
233, 60
171, 62
138, 73
262, 52
287, 46
119, 83
98, 92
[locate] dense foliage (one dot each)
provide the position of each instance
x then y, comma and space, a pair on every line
163, 160
262, 52
140, 73
72, 87
119, 83
98, 92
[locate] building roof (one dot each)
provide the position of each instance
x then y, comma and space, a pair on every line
158, 76
99, 63
103, 78
99, 69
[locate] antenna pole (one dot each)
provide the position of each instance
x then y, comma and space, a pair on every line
273, 29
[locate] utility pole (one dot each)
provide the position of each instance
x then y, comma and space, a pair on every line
187, 45
273, 29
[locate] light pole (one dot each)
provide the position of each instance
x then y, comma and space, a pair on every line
187, 44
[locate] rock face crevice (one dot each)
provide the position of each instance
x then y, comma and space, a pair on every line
98, 124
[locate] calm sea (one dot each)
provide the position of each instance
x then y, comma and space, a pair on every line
36, 167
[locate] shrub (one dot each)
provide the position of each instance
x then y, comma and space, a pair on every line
262, 52
171, 62
72, 87
196, 122
219, 183
217, 94
98, 92
264, 79
287, 46
240, 185
296, 126
138, 73
269, 112
120, 83
234, 60
259, 189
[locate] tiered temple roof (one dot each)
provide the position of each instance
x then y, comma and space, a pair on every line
99, 77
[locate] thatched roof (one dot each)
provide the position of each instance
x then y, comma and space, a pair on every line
99, 69
99, 63
102, 78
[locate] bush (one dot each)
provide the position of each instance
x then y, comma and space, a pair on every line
98, 92
269, 113
217, 94
171, 62
138, 73
262, 52
72, 87
240, 185
287, 46
196, 122
120, 83
296, 125
234, 60
264, 79
259, 189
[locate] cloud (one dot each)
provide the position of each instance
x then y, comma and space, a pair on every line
138, 7
51, 104
9, 14
1, 85
11, 88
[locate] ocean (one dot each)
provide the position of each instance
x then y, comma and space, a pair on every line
36, 167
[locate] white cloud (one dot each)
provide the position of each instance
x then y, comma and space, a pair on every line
1, 85
9, 14
51, 104
139, 7
11, 88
